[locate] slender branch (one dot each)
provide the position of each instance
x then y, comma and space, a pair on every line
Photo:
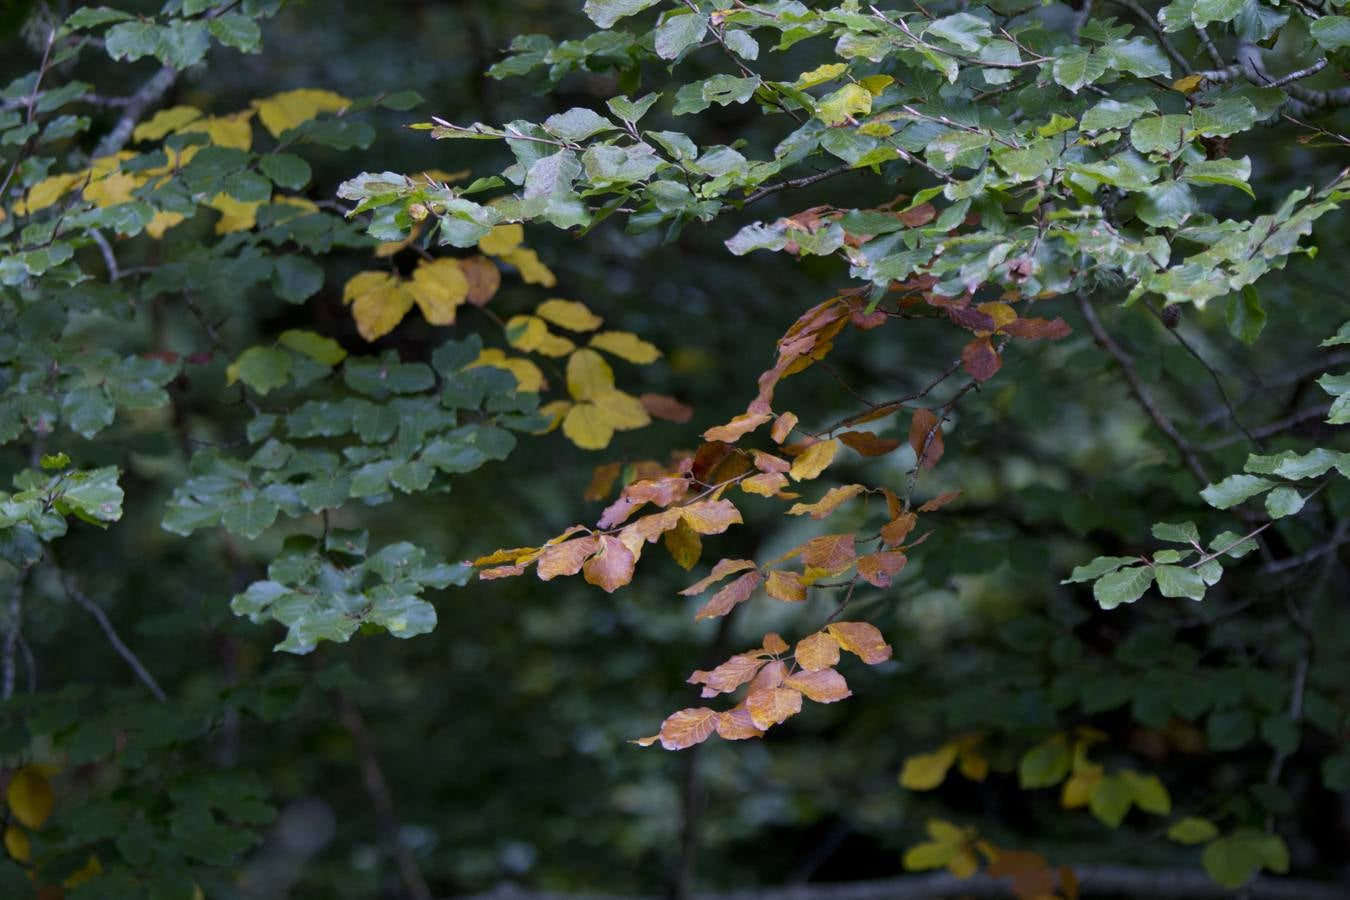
802, 182
1141, 393
146, 95
73, 592
31, 105
1307, 556
13, 632
1264, 431
1214, 375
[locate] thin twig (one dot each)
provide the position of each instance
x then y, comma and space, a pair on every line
1218, 382
146, 96
73, 592
1265, 431
802, 182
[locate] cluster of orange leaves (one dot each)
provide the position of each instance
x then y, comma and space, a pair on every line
959, 850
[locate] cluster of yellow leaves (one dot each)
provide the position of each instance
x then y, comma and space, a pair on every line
29, 803
925, 771
959, 849
104, 183
438, 287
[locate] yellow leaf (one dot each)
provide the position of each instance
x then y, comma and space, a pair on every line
815, 460
555, 412
1188, 85
946, 833
1001, 313
623, 411
233, 130
165, 121
925, 771
502, 239
48, 191
18, 846
30, 797
555, 345
235, 215
588, 375
386, 249
528, 376
300, 203
1148, 792
104, 166
1192, 830
587, 426
626, 345
438, 287
111, 190
379, 302
820, 75
963, 863
875, 84
91, 869
531, 269
842, 105
526, 332
286, 110
829, 503
1077, 790
972, 764
568, 314
161, 223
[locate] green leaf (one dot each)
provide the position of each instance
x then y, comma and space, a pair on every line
1234, 490
1160, 133
1284, 501
1331, 32
94, 16
577, 124
285, 169
1246, 318
296, 279
1110, 800
963, 30
1176, 581
1099, 567
1206, 11
1342, 336
237, 31
606, 12
315, 346
1177, 533
132, 40
680, 31
1192, 830
1122, 586
1233, 860
1230, 729
1139, 56
1046, 764
261, 368
1075, 68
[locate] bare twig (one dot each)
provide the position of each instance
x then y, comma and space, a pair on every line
1218, 382
146, 95
73, 592
802, 182
1290, 421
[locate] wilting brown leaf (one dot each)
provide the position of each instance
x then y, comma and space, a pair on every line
980, 359
766, 484
772, 705
861, 639
822, 686
602, 481
894, 532
668, 408
830, 552
767, 462
817, 651
786, 586
726, 599
483, 276
918, 216
612, 567
971, 319
729, 675
684, 544
815, 460
737, 725
737, 428
774, 643
717, 461
782, 427
893, 502
924, 424
939, 501
711, 516
832, 500
720, 570
565, 558
1035, 329
500, 572
867, 443
688, 727
877, 569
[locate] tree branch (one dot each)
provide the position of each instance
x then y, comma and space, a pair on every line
146, 96
73, 592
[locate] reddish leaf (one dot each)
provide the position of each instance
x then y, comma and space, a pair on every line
980, 359
771, 676
785, 586
867, 443
894, 532
612, 567
871, 415
1035, 329
925, 436
861, 639
565, 558
774, 643
711, 516
817, 651
500, 572
939, 501
782, 427
823, 686
720, 570
737, 725
668, 408
918, 216
726, 599
772, 706
971, 319
767, 462
877, 569
737, 428
649, 528
830, 552
729, 675
688, 727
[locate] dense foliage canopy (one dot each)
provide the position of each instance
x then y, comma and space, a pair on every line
981, 369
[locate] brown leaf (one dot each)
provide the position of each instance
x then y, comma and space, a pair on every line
668, 408
822, 686
871, 415
867, 443
980, 359
500, 572
684, 545
651, 527
924, 424
711, 516
716, 462
771, 676
602, 481
728, 597
688, 727
782, 427
767, 462
565, 558
817, 651
737, 725
766, 484
877, 569
483, 277
918, 216
661, 491
720, 570
772, 705
894, 532
939, 501
971, 319
861, 639
830, 552
1035, 329
737, 428
786, 586
612, 567
774, 643
832, 500
730, 675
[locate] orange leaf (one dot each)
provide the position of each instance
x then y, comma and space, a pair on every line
737, 725
830, 552
668, 408
729, 675
736, 428
815, 460
867, 443
602, 481
565, 558
728, 597
894, 532
766, 484
861, 639
612, 567
771, 676
1035, 329
785, 586
510, 554
484, 279
980, 359
877, 569
920, 429
651, 527
767, 462
822, 686
772, 706
774, 643
829, 503
688, 727
500, 572
720, 570
711, 516
817, 651
939, 501
782, 427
